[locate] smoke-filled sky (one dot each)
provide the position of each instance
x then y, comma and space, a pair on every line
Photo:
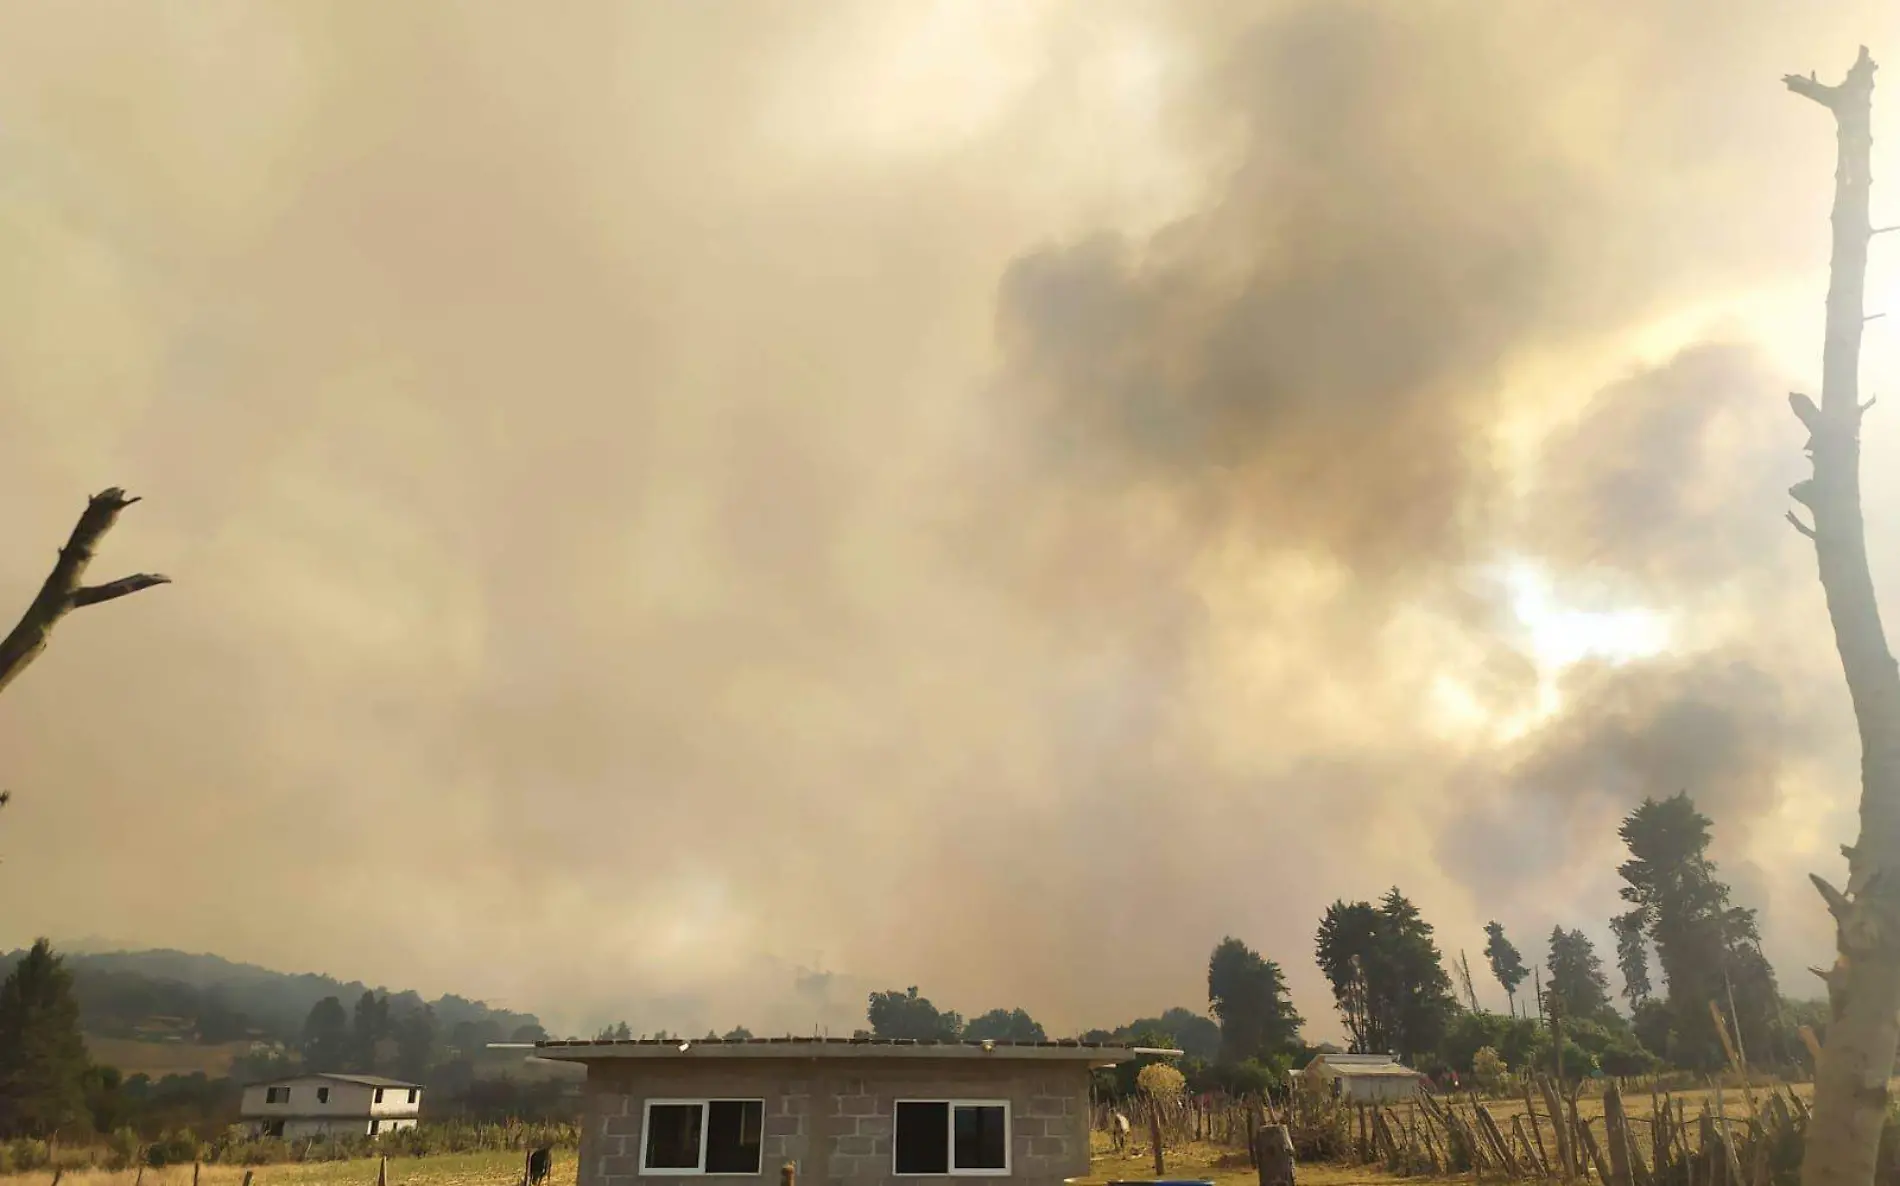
688, 512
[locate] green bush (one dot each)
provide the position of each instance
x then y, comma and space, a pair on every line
1252, 1077
237, 1147
25, 1155
174, 1148
1487, 1069
1516, 1039
122, 1149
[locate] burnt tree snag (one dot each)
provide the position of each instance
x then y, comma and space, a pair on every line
1850, 1082
62, 591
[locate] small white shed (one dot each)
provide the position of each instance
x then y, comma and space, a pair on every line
1361, 1078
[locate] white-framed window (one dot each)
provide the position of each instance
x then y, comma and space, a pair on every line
711, 1137
277, 1095
967, 1138
323, 1095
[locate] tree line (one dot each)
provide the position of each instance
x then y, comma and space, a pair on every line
51, 1086
1394, 991
1391, 987
181, 996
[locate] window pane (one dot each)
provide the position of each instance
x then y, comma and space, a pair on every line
982, 1138
923, 1138
673, 1137
732, 1136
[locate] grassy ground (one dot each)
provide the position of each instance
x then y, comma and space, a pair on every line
1639, 1106
504, 1169
1225, 1167
1228, 1167
452, 1169
159, 1059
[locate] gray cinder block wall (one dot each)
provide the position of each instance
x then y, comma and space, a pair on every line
833, 1117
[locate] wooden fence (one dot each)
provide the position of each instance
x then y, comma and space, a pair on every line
1704, 1138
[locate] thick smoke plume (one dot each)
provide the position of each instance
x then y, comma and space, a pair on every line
683, 513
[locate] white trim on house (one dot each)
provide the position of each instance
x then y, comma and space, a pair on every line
574, 1050
950, 1120
704, 1104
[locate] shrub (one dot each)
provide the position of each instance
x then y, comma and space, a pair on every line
122, 1149
1487, 1069
24, 1156
174, 1148
1251, 1077
1161, 1081
237, 1147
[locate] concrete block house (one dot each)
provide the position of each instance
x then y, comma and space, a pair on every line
330, 1105
841, 1110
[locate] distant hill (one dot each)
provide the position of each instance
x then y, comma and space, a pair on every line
205, 1000
157, 1059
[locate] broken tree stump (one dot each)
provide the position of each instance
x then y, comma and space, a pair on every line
1273, 1155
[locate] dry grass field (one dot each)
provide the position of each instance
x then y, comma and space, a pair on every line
504, 1169
159, 1059
454, 1169
1228, 1166
1224, 1166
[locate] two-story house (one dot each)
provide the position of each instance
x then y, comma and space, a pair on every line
331, 1105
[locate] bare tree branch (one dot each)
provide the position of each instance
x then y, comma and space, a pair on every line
1852, 1069
94, 594
62, 591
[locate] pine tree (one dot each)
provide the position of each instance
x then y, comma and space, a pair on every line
1506, 963
1632, 957
1708, 947
1576, 976
368, 1030
326, 1037
1388, 980
1248, 993
43, 1060
415, 1043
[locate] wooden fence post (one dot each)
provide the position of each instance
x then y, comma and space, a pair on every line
1273, 1153
194, 1174
382, 1171
1566, 1155
1154, 1130
1616, 1132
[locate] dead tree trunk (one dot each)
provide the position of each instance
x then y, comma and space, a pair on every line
62, 591
1850, 1087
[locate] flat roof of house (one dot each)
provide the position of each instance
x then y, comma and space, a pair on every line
338, 1077
601, 1050
1353, 1066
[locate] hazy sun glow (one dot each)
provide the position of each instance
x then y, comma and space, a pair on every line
1560, 635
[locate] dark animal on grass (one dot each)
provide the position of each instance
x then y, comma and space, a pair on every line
540, 1162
